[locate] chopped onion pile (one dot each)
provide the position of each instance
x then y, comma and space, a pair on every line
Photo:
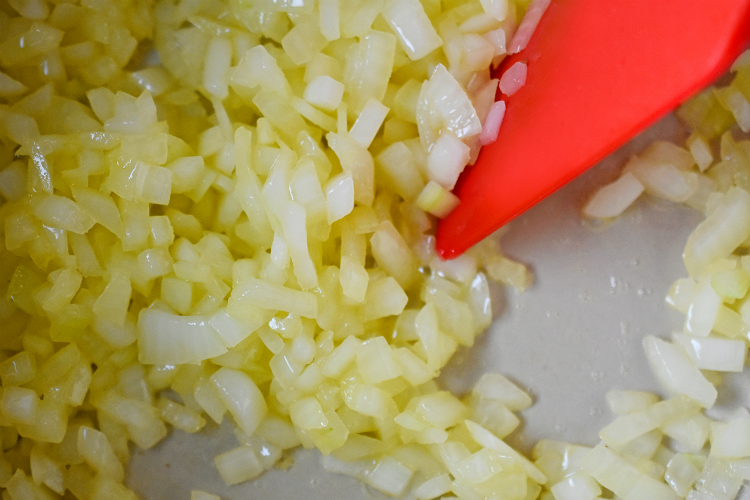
244, 230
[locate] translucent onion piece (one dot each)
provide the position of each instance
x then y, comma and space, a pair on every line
528, 25
721, 233
413, 28
491, 127
612, 199
166, 338
513, 79
674, 368
495, 8
443, 104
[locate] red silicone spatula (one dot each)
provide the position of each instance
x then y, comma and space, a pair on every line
599, 71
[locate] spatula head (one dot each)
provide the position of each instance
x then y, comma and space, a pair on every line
598, 72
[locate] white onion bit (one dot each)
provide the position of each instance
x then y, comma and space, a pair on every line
491, 127
513, 79
613, 199
528, 26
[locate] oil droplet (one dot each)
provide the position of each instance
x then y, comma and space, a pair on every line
615, 285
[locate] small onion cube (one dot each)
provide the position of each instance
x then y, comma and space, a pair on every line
339, 192
368, 122
485, 438
303, 41
238, 465
10, 87
712, 353
682, 472
413, 28
393, 254
371, 401
397, 164
513, 79
436, 200
610, 470
433, 487
390, 476
498, 39
275, 297
230, 330
259, 68
375, 361
492, 122
19, 404
292, 217
242, 397
447, 159
96, 450
306, 413
725, 228
497, 387
648, 487
413, 369
612, 199
703, 310
674, 368
495, 8
13, 181
439, 409
690, 431
324, 92
629, 427
357, 162
578, 486
528, 25
62, 213
701, 151
114, 300
664, 180
735, 101
216, 66
624, 402
444, 96
329, 19
338, 360
368, 66
354, 279
166, 338
383, 298
731, 439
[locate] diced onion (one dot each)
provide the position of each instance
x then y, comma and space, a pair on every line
513, 79
528, 25
612, 199
491, 126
